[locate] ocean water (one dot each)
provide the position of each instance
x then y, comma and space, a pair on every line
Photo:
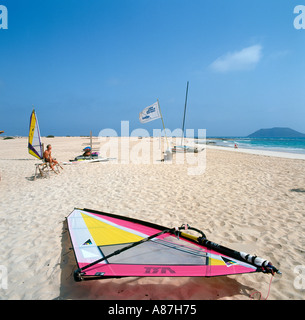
291, 145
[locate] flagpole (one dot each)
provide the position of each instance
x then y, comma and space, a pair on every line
162, 122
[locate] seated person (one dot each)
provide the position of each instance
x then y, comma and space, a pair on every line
47, 157
87, 152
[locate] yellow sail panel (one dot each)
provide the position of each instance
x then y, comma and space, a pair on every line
216, 262
33, 154
105, 234
32, 126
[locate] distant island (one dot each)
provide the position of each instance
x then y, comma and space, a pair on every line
276, 133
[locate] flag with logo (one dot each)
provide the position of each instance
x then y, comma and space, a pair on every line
150, 113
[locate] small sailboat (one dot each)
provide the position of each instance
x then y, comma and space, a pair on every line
184, 148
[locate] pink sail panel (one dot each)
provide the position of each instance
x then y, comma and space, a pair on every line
125, 270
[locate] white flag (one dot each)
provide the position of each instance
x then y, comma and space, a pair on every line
150, 113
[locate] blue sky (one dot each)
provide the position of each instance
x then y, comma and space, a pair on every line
87, 65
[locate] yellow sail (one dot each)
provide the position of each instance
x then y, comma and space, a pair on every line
34, 145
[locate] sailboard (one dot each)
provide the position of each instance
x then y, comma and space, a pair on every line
182, 149
89, 160
34, 143
112, 246
94, 157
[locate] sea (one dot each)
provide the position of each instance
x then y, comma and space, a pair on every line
291, 145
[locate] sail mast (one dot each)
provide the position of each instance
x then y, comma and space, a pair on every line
187, 87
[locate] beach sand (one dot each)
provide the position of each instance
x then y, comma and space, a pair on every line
249, 202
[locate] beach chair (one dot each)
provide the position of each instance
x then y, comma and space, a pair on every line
43, 169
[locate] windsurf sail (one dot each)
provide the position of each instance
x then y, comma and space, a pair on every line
35, 145
108, 245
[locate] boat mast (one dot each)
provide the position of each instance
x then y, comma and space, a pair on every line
187, 87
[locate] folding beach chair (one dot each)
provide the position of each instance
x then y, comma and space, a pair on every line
43, 169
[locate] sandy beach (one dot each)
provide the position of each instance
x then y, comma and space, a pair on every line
243, 200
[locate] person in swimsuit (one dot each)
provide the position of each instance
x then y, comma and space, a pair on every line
87, 152
48, 158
